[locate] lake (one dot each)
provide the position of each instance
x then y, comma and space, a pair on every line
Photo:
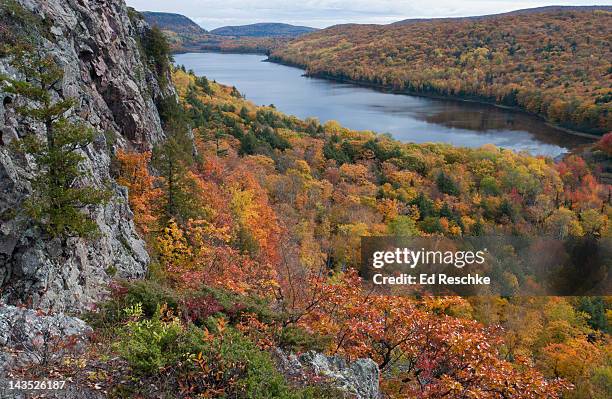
406, 118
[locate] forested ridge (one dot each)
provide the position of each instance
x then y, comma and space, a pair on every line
184, 35
263, 30
175, 22
554, 64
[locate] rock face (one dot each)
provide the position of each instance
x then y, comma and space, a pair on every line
360, 379
38, 338
97, 45
29, 337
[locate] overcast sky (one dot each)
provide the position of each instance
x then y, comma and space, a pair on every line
212, 14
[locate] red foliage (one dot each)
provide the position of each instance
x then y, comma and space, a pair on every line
198, 309
605, 144
437, 355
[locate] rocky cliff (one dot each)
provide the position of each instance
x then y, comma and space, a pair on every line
107, 71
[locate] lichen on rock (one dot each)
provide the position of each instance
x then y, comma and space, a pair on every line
359, 379
106, 71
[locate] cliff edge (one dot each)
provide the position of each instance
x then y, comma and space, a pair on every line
99, 45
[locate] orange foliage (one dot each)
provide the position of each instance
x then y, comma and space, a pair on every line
143, 195
440, 356
551, 63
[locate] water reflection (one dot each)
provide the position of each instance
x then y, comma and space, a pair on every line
407, 118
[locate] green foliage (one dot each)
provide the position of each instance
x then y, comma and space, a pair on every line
203, 83
150, 345
275, 141
223, 362
596, 308
506, 209
296, 339
248, 144
57, 202
172, 159
403, 226
236, 358
341, 152
446, 184
381, 152
489, 186
431, 224
244, 113
602, 382
150, 295
147, 294
157, 51
259, 378
425, 205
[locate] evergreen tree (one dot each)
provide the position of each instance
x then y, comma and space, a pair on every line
425, 205
157, 49
57, 202
248, 143
446, 184
244, 114
173, 159
204, 84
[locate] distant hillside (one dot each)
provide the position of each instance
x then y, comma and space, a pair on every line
174, 22
553, 63
264, 30
184, 35
526, 11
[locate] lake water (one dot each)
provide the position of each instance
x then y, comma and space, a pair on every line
406, 118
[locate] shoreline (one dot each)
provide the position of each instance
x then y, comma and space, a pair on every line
378, 87
220, 51
385, 89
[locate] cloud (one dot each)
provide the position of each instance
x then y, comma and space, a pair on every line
322, 13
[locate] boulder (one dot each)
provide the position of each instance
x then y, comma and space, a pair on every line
32, 337
359, 379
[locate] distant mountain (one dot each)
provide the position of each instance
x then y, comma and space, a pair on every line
263, 30
184, 35
526, 11
177, 23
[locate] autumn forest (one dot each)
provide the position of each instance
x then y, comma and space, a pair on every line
552, 64
269, 208
251, 219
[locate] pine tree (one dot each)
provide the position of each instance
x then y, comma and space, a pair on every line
157, 49
173, 159
446, 184
57, 202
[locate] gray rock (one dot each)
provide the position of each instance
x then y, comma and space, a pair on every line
28, 336
359, 378
96, 43
71, 392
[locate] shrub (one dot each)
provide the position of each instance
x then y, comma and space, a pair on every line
296, 339
150, 344
148, 294
198, 309
151, 296
234, 306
